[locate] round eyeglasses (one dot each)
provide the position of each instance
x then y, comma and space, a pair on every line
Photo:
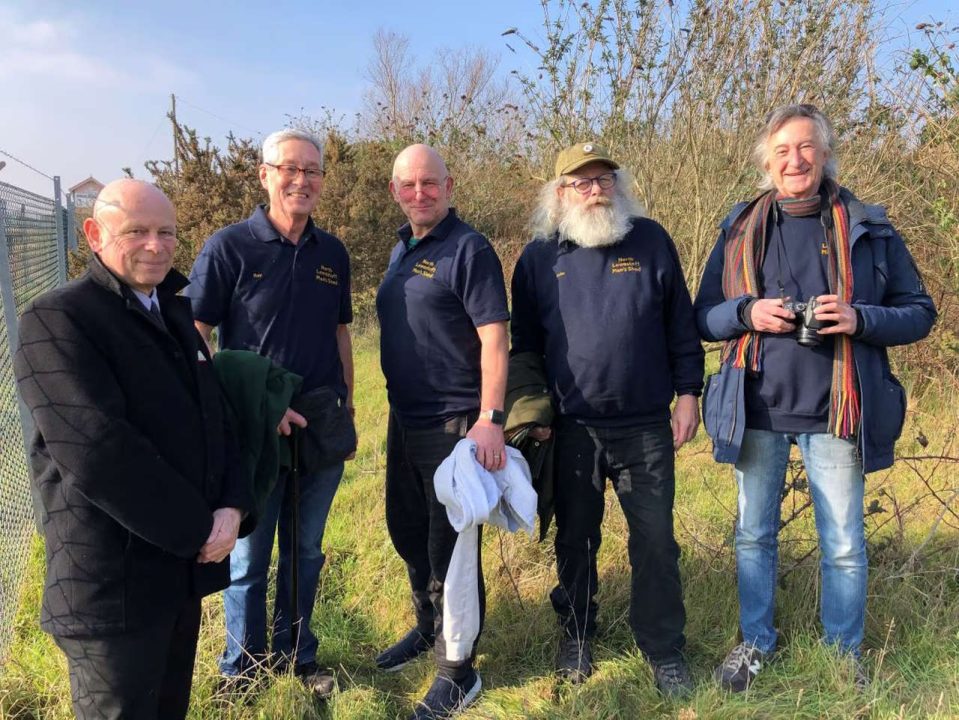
584, 186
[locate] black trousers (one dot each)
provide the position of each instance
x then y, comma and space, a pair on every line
141, 675
639, 461
419, 527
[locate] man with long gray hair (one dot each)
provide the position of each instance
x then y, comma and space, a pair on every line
806, 287
278, 285
599, 294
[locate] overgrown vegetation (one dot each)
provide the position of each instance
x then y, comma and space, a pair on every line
912, 630
677, 91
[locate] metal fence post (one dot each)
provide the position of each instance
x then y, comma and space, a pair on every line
71, 223
12, 325
61, 232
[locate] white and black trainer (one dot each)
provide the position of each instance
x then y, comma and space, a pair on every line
447, 698
741, 666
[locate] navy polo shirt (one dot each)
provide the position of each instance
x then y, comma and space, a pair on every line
791, 392
432, 298
275, 298
615, 325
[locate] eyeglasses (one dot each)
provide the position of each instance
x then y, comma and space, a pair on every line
584, 186
289, 172
408, 189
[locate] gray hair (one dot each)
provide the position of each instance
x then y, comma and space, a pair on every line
779, 117
271, 145
549, 210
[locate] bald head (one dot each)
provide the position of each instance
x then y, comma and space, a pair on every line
133, 232
422, 187
126, 193
419, 155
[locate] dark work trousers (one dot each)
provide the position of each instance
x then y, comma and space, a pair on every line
419, 527
140, 675
639, 461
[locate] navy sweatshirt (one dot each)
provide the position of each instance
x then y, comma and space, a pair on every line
615, 325
791, 393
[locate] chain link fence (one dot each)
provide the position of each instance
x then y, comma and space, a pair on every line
33, 259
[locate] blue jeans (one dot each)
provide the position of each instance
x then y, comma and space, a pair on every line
836, 483
244, 601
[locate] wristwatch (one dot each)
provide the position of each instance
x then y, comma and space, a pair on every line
497, 417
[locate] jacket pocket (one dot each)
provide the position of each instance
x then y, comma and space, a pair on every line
723, 412
888, 412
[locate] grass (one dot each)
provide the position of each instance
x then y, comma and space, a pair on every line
912, 633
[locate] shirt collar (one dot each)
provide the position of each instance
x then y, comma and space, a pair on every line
263, 229
440, 232
147, 300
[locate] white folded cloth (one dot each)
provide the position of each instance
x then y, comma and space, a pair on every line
474, 496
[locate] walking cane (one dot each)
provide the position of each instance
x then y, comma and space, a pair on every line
295, 533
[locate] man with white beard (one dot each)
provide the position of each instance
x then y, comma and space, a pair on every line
600, 294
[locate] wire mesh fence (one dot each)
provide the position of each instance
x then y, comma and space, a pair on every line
33, 231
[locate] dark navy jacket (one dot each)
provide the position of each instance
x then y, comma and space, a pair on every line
894, 308
614, 323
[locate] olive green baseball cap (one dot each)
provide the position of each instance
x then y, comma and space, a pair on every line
574, 157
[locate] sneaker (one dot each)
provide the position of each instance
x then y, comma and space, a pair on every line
319, 681
235, 688
574, 659
409, 647
741, 666
860, 676
672, 679
446, 697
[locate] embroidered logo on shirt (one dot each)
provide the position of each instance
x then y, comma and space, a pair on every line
257, 276
426, 268
824, 249
624, 264
327, 275
561, 273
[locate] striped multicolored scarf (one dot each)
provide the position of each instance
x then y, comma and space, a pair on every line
745, 251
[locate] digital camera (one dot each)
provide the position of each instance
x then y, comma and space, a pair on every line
807, 324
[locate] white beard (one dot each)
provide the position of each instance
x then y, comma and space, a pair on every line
593, 226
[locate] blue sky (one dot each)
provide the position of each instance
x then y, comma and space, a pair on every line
84, 87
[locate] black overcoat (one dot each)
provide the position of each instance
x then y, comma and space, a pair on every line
130, 455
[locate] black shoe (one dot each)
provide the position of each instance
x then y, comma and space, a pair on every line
409, 647
319, 681
574, 659
672, 679
446, 697
741, 666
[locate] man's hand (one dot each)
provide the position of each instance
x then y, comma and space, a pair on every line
226, 525
490, 445
768, 315
831, 309
290, 417
685, 420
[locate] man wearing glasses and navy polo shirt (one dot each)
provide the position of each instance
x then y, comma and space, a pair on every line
444, 352
600, 294
278, 285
